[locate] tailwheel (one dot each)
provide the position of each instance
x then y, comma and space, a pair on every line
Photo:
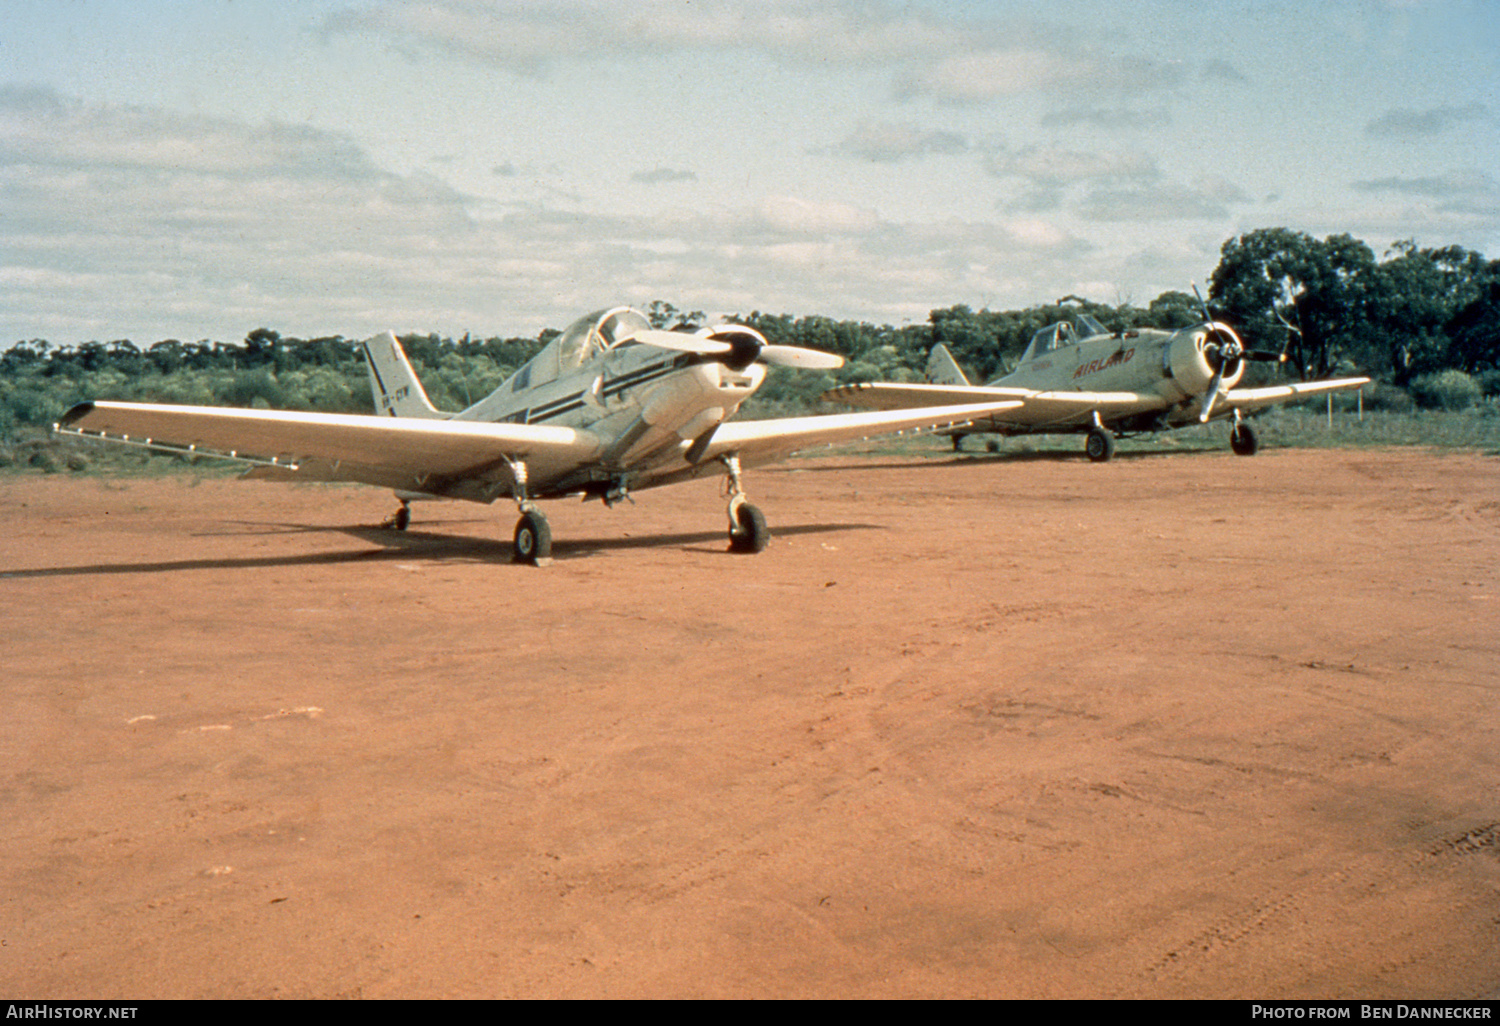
1100, 445
1242, 440
533, 539
748, 532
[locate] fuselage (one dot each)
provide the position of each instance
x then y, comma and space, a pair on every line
1168, 371
645, 404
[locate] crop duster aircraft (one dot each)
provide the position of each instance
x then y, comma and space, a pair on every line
1076, 376
608, 407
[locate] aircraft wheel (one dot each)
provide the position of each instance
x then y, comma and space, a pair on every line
749, 533
533, 538
1242, 440
1100, 445
402, 520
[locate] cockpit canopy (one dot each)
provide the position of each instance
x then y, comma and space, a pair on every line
585, 338
1063, 333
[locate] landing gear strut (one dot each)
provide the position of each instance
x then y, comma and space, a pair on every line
747, 525
533, 538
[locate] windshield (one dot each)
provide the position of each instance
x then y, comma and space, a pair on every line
1050, 339
585, 338
1064, 333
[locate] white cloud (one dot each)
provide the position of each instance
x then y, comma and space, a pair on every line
663, 175
1209, 199
975, 75
124, 222
798, 216
1439, 187
529, 38
1118, 119
1051, 165
886, 142
1405, 124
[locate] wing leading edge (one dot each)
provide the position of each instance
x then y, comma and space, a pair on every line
757, 441
421, 455
1024, 407
1040, 410
1247, 400
462, 459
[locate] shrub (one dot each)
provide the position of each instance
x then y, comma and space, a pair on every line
1380, 396
1450, 390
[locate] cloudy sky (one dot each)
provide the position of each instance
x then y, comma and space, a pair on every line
197, 169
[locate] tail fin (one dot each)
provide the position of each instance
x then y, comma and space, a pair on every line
397, 391
942, 369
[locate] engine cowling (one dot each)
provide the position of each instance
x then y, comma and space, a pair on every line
1196, 355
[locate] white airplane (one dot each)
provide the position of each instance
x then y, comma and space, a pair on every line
1076, 376
608, 407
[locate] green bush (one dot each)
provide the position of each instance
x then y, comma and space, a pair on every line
1380, 396
1450, 390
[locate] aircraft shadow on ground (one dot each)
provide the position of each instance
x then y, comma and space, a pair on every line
410, 545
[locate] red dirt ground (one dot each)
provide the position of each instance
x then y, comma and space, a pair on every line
1176, 726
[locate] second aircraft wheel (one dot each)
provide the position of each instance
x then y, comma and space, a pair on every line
533, 538
1242, 440
1100, 445
749, 533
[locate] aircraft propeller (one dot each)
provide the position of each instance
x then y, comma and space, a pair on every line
739, 348
1223, 350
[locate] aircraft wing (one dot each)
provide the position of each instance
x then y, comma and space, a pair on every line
1247, 400
758, 441
1033, 410
415, 454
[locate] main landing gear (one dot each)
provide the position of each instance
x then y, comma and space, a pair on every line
1100, 445
533, 538
747, 525
1242, 440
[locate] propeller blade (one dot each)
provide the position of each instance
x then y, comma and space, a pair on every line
804, 359
681, 342
1264, 355
1203, 303
1212, 395
747, 351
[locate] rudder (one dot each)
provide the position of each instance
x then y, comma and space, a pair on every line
942, 369
393, 383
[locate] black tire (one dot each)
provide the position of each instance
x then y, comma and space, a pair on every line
1100, 445
1242, 440
749, 533
533, 542
402, 520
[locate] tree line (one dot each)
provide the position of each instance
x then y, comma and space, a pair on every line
1410, 318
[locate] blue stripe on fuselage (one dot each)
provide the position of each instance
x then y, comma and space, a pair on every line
610, 388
